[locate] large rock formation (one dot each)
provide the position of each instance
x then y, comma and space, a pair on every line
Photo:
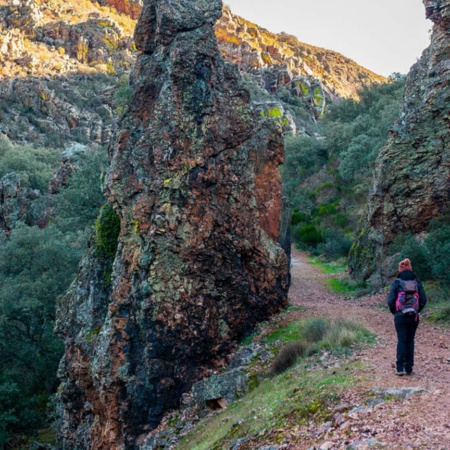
411, 183
194, 181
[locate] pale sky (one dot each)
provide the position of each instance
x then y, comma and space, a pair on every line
384, 36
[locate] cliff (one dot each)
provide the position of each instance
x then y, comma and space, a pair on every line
188, 261
411, 182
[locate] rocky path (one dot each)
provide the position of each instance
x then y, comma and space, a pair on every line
419, 421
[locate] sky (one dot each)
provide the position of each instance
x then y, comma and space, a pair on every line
385, 36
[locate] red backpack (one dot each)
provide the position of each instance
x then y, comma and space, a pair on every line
408, 298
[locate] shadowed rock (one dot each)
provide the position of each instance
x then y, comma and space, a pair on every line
195, 184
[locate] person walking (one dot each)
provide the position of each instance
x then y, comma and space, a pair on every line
405, 300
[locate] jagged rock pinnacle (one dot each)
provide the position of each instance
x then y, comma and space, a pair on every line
195, 184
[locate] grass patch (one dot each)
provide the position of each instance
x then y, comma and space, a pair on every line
347, 286
440, 313
318, 330
284, 402
315, 335
331, 267
293, 395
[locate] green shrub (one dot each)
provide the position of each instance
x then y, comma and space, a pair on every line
288, 356
308, 235
314, 330
123, 93
335, 245
79, 201
299, 217
107, 229
34, 166
441, 314
431, 257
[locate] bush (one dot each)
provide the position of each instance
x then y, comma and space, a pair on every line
314, 330
314, 335
34, 166
308, 235
431, 257
335, 245
288, 356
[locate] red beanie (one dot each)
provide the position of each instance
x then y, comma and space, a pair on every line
404, 265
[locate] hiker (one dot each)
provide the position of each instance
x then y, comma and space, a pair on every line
405, 300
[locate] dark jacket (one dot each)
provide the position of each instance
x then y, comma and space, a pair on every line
396, 286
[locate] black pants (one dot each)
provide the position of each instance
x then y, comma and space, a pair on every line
406, 327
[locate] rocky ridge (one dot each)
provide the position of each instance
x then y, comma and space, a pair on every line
187, 259
48, 48
411, 181
282, 60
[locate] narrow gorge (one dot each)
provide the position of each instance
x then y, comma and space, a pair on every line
411, 177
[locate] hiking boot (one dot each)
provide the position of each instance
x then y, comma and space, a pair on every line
400, 373
409, 373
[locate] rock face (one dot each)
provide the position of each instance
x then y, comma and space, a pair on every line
20, 206
14, 203
195, 183
411, 184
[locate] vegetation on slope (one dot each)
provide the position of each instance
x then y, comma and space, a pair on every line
293, 392
327, 177
36, 267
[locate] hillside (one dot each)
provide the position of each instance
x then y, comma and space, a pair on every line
61, 63
257, 50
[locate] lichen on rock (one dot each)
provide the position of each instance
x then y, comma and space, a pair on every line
195, 181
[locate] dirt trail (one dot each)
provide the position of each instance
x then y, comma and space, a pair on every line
418, 422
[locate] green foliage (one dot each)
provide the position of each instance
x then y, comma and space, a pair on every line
107, 229
430, 257
308, 235
123, 93
441, 314
34, 166
78, 203
36, 266
327, 178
